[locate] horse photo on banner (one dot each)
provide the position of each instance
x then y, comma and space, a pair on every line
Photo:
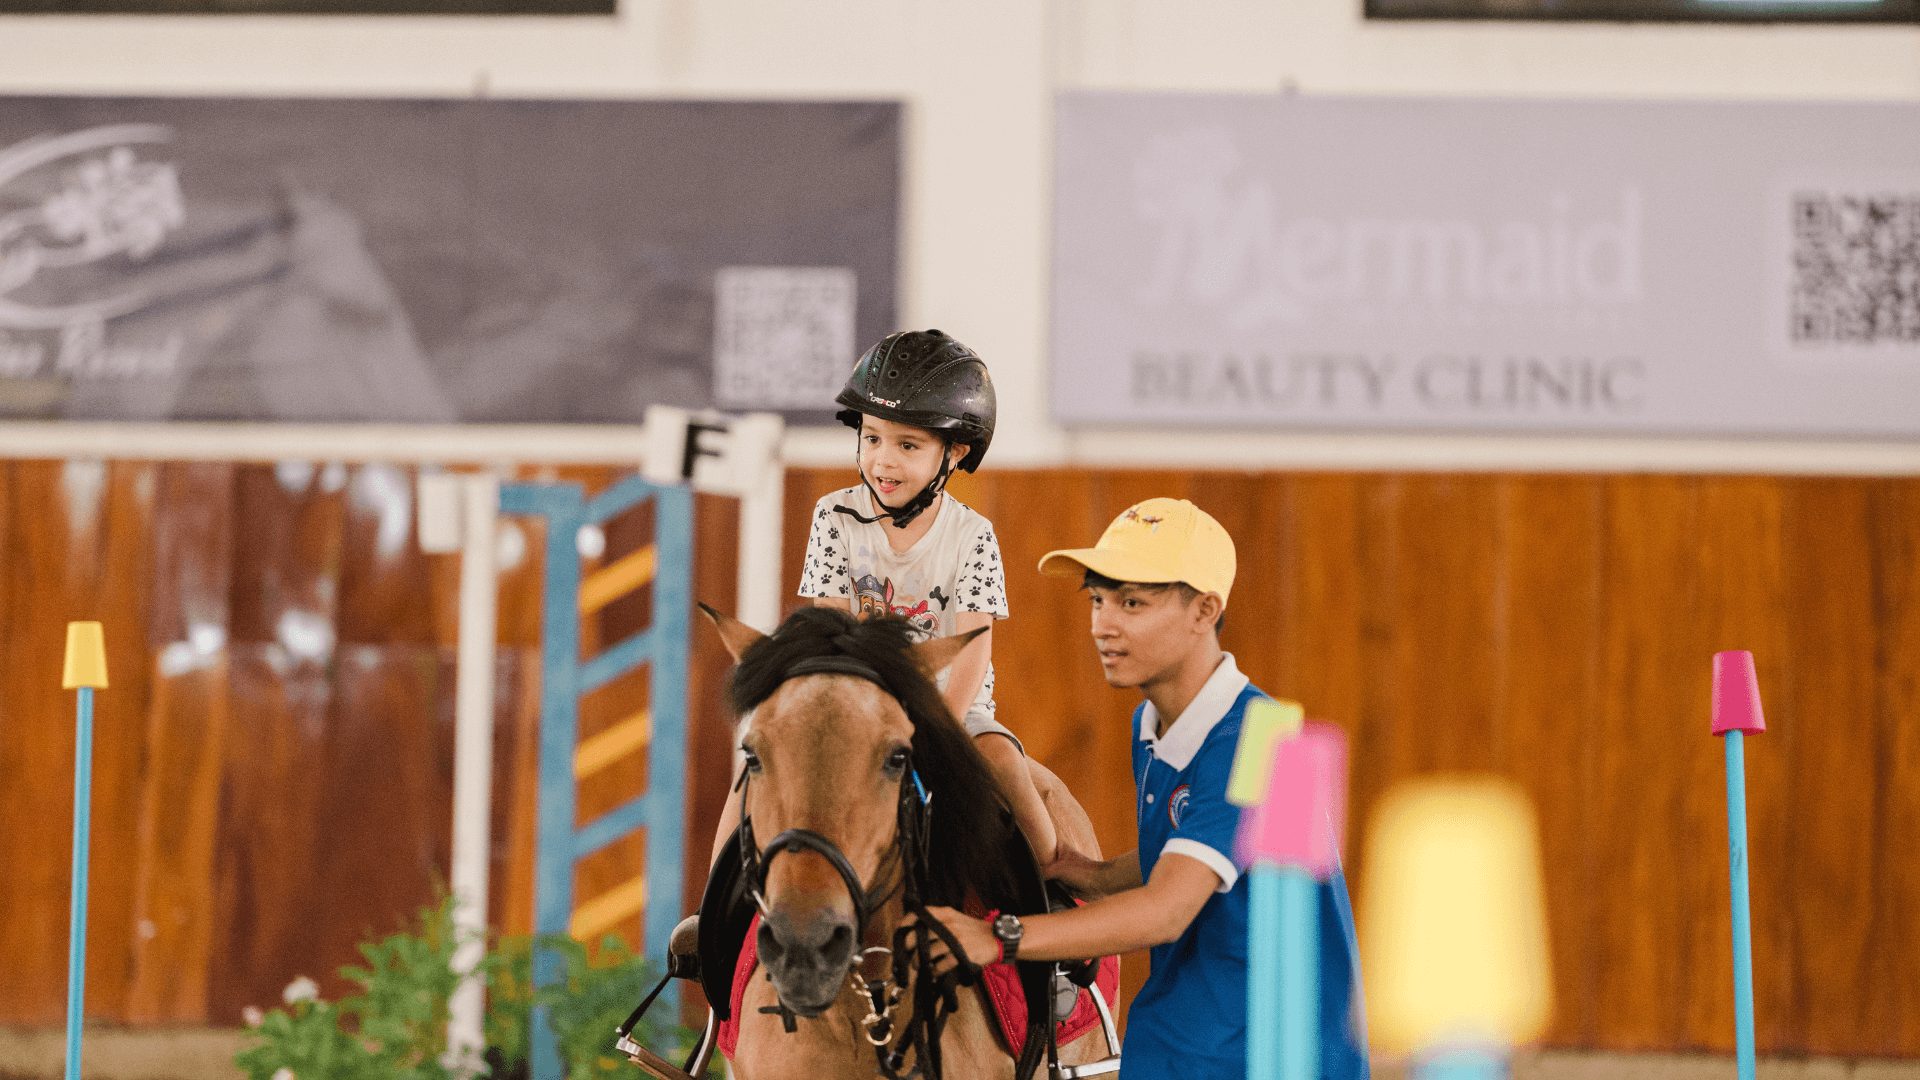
417, 261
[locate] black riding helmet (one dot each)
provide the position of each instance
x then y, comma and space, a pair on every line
928, 380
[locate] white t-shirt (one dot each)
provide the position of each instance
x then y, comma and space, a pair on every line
955, 567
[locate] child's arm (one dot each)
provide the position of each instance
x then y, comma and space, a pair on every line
1009, 768
969, 669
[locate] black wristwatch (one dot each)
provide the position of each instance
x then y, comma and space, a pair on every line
1008, 929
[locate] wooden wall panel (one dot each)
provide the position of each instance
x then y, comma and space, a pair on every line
388, 591
266, 880
1742, 605
1891, 1012
1549, 607
710, 741
78, 535
1648, 575
516, 748
112, 535
1317, 599
188, 714
1442, 671
280, 720
385, 770
1825, 717
177, 845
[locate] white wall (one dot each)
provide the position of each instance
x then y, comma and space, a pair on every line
978, 78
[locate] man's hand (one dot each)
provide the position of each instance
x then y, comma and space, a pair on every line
1093, 878
1074, 870
974, 935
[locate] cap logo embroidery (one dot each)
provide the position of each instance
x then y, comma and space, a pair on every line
1152, 523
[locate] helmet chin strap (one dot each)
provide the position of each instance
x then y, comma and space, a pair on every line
915, 506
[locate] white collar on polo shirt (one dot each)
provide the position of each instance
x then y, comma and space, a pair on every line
1190, 729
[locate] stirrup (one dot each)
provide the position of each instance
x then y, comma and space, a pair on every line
1106, 1065
660, 1068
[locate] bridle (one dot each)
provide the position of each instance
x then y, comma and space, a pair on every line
935, 996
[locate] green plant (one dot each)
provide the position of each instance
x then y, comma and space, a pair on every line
395, 1026
598, 990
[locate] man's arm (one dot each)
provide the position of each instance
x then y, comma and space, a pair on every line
1094, 877
1153, 914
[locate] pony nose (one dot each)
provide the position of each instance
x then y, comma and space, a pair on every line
820, 942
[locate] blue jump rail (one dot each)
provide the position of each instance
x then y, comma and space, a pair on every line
564, 677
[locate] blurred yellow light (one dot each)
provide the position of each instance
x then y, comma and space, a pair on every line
1453, 934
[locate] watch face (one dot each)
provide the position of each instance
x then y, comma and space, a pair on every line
1007, 926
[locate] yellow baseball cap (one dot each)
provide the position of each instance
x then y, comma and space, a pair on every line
1155, 542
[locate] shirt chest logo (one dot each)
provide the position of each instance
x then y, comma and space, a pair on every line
1177, 804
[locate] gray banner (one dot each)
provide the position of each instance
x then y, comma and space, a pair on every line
1273, 262
435, 261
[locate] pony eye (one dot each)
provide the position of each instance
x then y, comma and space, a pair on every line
753, 762
897, 761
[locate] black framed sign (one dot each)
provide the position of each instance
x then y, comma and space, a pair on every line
1728, 11
439, 261
308, 7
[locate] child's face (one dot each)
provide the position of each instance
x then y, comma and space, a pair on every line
899, 459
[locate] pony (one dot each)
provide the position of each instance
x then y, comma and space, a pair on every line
877, 804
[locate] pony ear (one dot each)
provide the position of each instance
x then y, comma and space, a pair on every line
939, 654
737, 636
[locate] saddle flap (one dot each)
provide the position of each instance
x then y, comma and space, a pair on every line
726, 912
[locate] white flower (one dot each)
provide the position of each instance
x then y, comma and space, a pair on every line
253, 1016
297, 991
284, 1073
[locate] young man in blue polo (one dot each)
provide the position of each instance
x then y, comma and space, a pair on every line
1158, 581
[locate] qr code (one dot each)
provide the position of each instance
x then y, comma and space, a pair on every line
783, 336
1856, 269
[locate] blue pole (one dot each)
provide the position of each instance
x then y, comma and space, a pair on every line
1263, 973
559, 740
1299, 977
77, 918
1742, 916
1283, 1032
667, 757
1462, 1064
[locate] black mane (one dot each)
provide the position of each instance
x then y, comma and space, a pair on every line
971, 826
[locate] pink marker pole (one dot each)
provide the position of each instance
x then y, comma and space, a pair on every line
1291, 839
1736, 711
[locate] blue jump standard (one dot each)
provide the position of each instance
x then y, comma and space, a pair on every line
1742, 915
1463, 1064
1282, 992
77, 917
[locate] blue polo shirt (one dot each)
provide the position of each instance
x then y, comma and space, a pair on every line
1190, 1019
